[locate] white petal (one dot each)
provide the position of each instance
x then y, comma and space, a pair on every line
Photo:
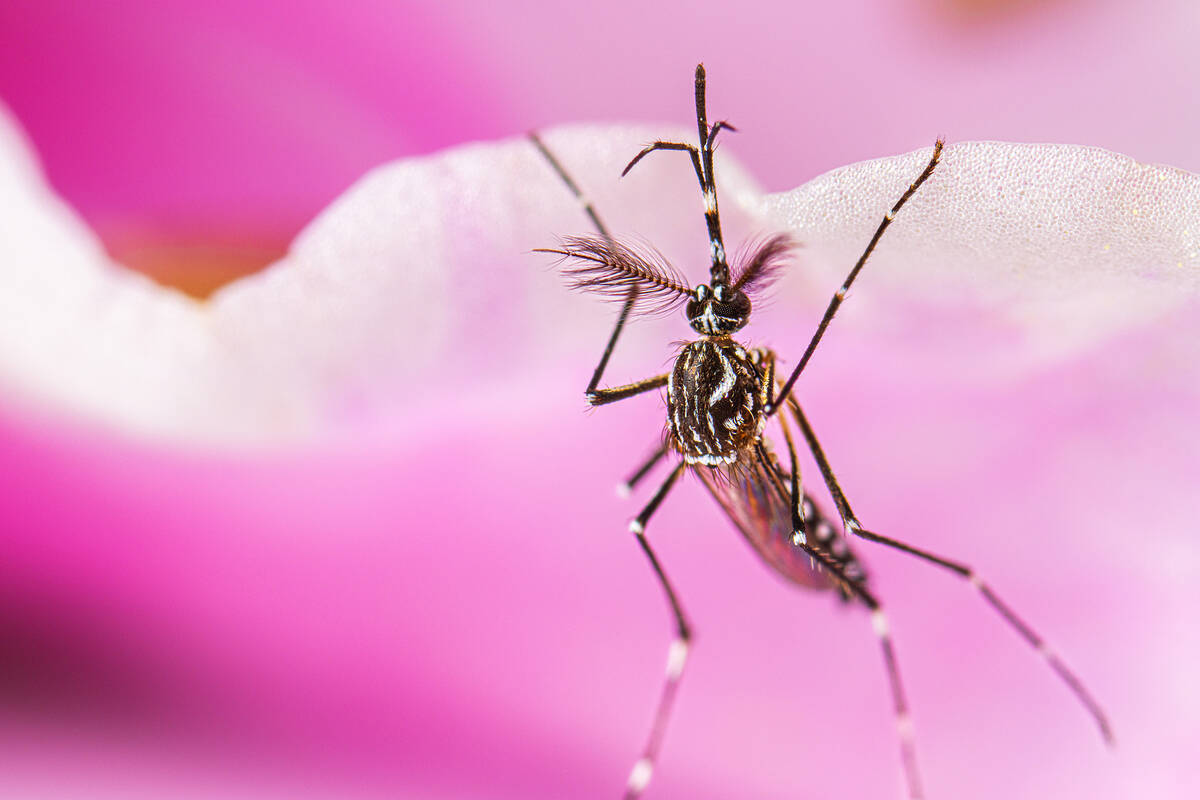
1067, 244
78, 331
414, 293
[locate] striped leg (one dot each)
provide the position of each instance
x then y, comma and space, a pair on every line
904, 726
601, 397
690, 149
596, 396
1027, 633
625, 488
677, 655
702, 162
840, 294
853, 585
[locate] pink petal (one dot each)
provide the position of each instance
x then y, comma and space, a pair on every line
450, 608
1060, 247
225, 118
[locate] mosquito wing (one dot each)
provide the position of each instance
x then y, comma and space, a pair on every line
757, 504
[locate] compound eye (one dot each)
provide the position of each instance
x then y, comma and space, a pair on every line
733, 304
733, 312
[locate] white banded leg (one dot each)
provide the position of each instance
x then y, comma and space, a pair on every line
802, 509
904, 725
840, 294
702, 163
625, 488
594, 396
1036, 642
1027, 633
643, 768
566, 178
677, 654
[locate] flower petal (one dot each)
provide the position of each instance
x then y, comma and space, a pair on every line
390, 603
407, 276
1065, 245
421, 277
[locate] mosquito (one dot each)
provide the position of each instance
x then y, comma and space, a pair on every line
720, 394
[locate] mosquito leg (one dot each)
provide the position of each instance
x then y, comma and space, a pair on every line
764, 359
690, 149
799, 504
677, 655
590, 210
1027, 633
840, 294
626, 487
904, 726
879, 623
601, 397
717, 128
702, 162
807, 517
802, 509
720, 268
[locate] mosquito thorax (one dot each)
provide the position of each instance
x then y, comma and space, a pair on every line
718, 311
715, 400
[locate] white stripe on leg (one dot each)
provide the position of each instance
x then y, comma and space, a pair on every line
904, 724
1051, 658
676, 659
639, 777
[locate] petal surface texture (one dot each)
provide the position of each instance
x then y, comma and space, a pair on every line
402, 284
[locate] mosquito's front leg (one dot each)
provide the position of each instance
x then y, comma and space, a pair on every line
600, 397
840, 294
594, 396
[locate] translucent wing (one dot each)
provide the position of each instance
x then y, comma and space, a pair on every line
756, 502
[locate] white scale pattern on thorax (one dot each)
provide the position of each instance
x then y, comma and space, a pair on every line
713, 392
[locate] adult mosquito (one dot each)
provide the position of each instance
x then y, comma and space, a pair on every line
720, 395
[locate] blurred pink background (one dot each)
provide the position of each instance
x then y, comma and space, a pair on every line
439, 618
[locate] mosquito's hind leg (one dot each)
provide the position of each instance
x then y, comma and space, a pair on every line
852, 525
677, 655
851, 584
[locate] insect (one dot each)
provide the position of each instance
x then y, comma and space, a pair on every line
720, 395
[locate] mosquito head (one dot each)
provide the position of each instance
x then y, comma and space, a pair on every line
718, 311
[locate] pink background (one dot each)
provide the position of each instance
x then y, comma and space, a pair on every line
464, 616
